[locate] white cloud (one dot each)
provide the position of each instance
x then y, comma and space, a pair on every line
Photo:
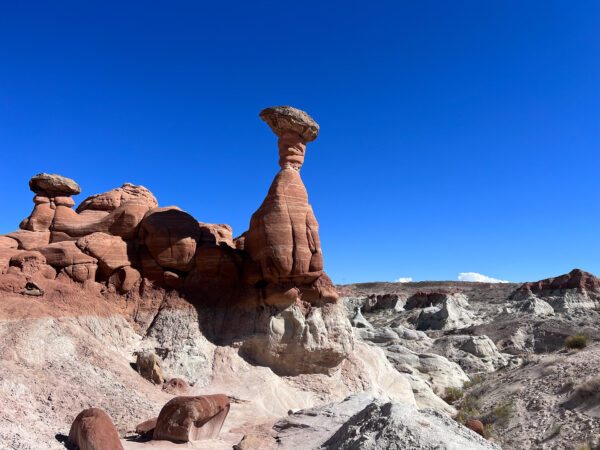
403, 280
474, 276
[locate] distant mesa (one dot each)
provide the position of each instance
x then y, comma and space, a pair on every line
575, 279
577, 289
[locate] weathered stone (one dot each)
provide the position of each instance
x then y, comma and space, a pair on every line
450, 314
81, 272
41, 218
363, 422
476, 426
63, 254
146, 429
92, 429
110, 251
148, 365
176, 386
30, 240
55, 184
295, 341
359, 320
171, 236
284, 119
185, 419
124, 279
7, 242
111, 200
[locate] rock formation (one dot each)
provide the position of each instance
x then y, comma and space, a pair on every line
92, 429
269, 281
476, 426
577, 289
186, 419
148, 365
361, 421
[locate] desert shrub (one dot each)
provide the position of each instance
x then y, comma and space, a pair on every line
577, 341
468, 410
475, 379
589, 388
488, 430
504, 411
452, 394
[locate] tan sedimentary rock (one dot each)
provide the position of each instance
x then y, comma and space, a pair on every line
148, 365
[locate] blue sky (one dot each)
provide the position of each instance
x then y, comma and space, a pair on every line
455, 136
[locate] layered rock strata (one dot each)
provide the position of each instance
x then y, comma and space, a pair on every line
266, 289
576, 289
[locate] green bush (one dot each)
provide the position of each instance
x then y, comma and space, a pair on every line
452, 394
469, 410
577, 341
504, 411
475, 379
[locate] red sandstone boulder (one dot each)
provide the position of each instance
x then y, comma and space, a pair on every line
30, 240
93, 430
124, 279
476, 426
111, 200
146, 429
212, 233
576, 279
185, 419
176, 386
63, 254
32, 262
81, 272
171, 236
41, 218
7, 242
123, 221
6, 254
110, 251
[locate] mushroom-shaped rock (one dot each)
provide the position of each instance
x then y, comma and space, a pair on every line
148, 365
192, 418
171, 236
284, 119
111, 200
92, 429
283, 237
294, 128
46, 183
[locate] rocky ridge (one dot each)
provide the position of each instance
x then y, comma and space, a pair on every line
523, 384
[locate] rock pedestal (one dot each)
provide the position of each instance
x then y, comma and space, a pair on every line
283, 237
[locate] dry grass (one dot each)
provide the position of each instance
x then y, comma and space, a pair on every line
577, 341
